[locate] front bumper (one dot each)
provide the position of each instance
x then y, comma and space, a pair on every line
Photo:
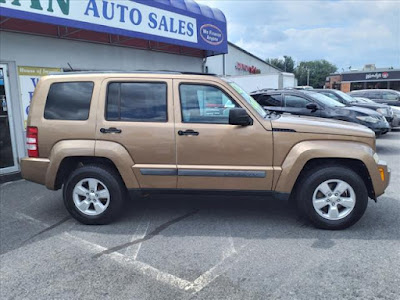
382, 181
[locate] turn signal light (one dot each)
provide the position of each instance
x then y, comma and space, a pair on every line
382, 172
32, 141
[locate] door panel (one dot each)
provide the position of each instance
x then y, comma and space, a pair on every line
218, 156
137, 117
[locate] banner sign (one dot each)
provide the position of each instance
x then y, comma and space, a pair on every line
371, 76
28, 79
142, 19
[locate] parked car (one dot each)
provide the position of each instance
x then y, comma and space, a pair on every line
383, 109
395, 109
99, 135
311, 103
389, 97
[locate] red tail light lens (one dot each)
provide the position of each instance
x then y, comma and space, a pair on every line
32, 141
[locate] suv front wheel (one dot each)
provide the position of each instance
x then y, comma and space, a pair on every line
332, 197
94, 195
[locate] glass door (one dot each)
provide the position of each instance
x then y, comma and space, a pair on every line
8, 157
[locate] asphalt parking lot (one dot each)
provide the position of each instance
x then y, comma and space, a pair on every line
191, 247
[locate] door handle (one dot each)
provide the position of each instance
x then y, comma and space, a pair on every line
110, 130
188, 132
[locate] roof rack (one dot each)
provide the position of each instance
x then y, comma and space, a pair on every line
78, 72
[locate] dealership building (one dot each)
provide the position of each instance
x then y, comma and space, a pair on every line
368, 78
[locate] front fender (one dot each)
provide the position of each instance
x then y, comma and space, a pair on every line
305, 151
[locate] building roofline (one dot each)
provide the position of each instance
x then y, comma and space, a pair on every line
254, 56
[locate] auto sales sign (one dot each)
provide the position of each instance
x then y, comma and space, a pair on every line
142, 19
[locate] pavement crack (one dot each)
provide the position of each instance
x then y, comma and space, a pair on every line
147, 237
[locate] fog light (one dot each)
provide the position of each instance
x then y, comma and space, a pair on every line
382, 172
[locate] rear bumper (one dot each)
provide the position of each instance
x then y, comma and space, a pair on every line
34, 169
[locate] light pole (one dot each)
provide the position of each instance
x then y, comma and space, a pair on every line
308, 77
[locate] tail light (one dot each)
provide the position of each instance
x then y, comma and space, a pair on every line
32, 141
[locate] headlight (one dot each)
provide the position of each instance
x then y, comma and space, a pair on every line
376, 157
383, 111
368, 119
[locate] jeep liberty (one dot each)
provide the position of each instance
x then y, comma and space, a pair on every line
99, 135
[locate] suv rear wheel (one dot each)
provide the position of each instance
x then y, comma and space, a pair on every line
94, 195
332, 197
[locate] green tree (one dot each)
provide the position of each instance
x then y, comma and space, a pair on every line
318, 71
286, 64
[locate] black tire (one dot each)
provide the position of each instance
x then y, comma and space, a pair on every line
313, 178
113, 183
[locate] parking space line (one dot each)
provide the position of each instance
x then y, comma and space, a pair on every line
140, 233
140, 267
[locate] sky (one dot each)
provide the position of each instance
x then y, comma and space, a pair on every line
349, 34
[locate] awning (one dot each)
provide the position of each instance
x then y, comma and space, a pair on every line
165, 22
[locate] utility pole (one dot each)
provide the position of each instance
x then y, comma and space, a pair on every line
308, 77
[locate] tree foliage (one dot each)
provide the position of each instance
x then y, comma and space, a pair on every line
286, 64
319, 70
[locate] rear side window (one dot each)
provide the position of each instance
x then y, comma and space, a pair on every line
137, 102
68, 101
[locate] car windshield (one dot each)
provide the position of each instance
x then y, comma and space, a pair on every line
345, 97
325, 100
257, 107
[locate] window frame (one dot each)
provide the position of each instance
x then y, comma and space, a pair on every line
119, 102
76, 81
211, 85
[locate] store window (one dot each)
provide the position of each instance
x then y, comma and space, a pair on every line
356, 86
68, 101
395, 85
137, 101
377, 85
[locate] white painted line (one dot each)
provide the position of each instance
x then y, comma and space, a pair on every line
140, 267
141, 230
25, 217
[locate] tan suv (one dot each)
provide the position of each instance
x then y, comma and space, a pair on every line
100, 135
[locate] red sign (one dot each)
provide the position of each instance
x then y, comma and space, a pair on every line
250, 69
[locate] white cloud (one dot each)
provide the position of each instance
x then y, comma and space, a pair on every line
343, 32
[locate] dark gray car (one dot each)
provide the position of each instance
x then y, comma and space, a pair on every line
310, 103
347, 100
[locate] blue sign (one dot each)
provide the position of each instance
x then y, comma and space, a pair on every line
178, 22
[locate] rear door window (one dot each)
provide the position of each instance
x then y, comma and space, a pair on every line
137, 101
69, 101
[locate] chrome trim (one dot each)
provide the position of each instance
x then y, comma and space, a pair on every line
222, 173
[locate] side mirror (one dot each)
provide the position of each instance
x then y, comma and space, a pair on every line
239, 116
312, 106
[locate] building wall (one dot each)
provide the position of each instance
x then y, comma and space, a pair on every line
30, 50
215, 64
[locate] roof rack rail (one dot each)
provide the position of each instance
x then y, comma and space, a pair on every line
77, 72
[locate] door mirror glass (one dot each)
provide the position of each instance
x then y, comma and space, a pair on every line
312, 106
239, 116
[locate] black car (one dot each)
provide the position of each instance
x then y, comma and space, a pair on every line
389, 97
383, 109
310, 103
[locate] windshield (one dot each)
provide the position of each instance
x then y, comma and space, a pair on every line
257, 107
346, 97
325, 100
